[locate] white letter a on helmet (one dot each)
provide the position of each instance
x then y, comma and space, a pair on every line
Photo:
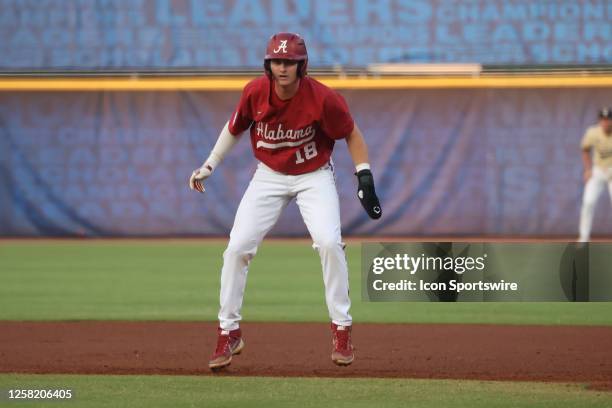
282, 46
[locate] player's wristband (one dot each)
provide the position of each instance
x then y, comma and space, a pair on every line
362, 166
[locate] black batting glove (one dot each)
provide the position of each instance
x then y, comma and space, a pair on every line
367, 194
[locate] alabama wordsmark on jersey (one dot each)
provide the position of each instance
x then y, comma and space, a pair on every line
295, 136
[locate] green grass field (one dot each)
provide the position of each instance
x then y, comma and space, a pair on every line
177, 391
179, 280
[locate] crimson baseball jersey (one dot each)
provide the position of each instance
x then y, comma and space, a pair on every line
295, 136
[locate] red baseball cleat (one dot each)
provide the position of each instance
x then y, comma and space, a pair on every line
228, 344
343, 353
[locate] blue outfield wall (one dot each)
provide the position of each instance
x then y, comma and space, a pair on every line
463, 161
102, 34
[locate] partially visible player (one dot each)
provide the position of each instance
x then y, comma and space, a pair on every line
294, 122
597, 160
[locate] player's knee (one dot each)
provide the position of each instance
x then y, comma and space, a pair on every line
331, 243
588, 204
240, 249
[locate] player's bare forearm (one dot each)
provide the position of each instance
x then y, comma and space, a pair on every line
587, 164
586, 159
357, 146
365, 191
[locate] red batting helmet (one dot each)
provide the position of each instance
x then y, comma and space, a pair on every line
287, 46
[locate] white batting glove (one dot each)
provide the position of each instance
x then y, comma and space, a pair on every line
196, 181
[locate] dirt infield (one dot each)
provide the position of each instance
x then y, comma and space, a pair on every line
485, 352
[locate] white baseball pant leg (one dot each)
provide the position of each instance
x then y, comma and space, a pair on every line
317, 199
261, 205
267, 195
592, 190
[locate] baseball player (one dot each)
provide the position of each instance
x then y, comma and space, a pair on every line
597, 160
294, 122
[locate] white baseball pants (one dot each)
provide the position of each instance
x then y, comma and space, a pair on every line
265, 198
592, 190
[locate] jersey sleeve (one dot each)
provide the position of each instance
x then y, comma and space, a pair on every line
336, 120
241, 119
588, 140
